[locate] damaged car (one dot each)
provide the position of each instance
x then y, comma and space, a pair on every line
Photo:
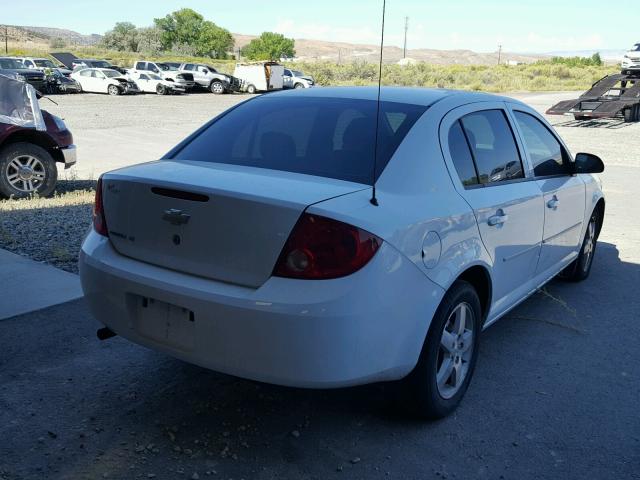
104, 80
32, 141
152, 83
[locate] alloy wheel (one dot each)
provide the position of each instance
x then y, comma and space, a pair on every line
25, 173
455, 351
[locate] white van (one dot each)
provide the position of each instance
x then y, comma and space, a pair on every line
260, 77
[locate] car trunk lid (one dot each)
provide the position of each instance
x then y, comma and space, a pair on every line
222, 222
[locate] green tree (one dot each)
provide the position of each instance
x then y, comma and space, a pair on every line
596, 59
149, 40
124, 37
188, 27
270, 46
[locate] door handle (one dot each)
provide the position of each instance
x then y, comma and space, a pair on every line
498, 219
553, 203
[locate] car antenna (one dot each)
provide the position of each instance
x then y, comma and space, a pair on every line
374, 199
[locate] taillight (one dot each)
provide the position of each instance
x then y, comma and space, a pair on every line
320, 248
99, 222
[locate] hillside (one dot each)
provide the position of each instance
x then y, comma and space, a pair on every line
311, 50
22, 37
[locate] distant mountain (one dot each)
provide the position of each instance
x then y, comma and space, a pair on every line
69, 36
313, 50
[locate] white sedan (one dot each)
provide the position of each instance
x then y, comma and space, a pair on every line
277, 243
152, 83
104, 80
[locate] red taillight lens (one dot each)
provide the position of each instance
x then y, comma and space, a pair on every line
99, 222
320, 248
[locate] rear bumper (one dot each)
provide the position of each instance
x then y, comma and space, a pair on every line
69, 154
365, 328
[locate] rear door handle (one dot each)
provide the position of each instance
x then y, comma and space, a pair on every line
498, 219
553, 203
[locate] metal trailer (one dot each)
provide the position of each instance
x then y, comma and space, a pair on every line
613, 96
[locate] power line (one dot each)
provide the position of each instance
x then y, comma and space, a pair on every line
406, 30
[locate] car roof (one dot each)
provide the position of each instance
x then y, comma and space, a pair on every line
414, 96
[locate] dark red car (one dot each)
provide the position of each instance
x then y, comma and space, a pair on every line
28, 157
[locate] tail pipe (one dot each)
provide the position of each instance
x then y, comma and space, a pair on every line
105, 333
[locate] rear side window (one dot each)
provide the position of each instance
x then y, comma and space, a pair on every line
140, 66
189, 67
493, 146
546, 153
327, 137
461, 155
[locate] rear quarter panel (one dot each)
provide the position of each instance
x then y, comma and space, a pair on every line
417, 200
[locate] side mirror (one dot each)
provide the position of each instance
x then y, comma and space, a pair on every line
155, 70
205, 71
588, 163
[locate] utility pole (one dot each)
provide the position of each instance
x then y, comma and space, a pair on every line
406, 30
339, 56
499, 54
6, 39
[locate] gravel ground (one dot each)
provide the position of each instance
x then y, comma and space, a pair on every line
49, 230
113, 132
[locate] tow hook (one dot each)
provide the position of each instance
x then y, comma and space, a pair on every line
105, 333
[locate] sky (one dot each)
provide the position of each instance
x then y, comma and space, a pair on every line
525, 26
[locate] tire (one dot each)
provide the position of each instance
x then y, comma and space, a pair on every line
217, 88
580, 268
422, 393
113, 90
628, 114
161, 89
251, 89
580, 117
40, 180
298, 86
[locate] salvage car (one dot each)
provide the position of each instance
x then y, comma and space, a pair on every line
57, 82
167, 72
104, 80
208, 77
13, 66
303, 253
32, 141
43, 64
152, 83
631, 61
297, 79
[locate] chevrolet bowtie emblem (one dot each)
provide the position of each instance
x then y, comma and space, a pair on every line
176, 217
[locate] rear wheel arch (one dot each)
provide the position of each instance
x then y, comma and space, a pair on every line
478, 277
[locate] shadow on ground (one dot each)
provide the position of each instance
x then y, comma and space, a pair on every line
554, 396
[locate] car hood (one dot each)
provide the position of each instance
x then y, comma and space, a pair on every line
633, 54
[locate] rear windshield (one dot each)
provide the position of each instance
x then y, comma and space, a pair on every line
327, 137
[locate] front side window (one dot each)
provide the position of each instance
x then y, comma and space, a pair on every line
141, 66
461, 156
143, 77
547, 155
493, 146
190, 67
332, 138
86, 73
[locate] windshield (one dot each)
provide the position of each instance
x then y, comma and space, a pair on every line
166, 68
636, 48
327, 137
100, 64
111, 73
44, 63
297, 73
211, 69
10, 63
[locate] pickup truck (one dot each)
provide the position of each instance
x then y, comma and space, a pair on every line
13, 66
167, 72
208, 77
32, 141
